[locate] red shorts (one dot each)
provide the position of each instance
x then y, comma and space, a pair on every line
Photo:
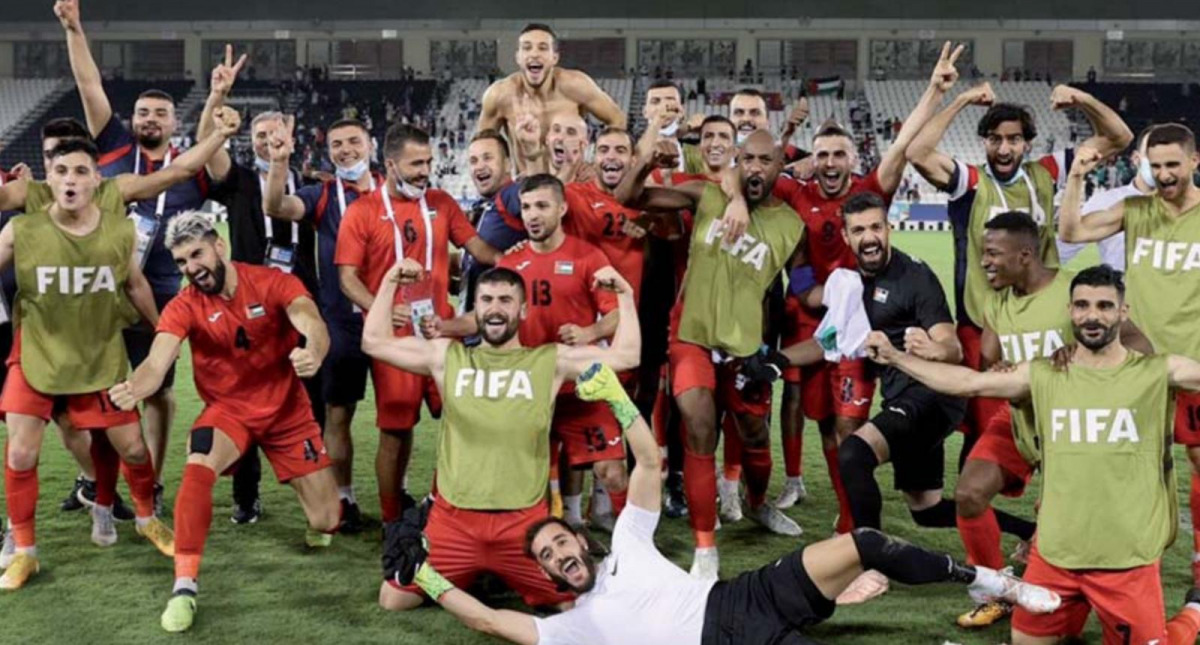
588, 430
465, 543
840, 389
92, 411
1128, 602
692, 367
798, 326
1187, 418
980, 410
398, 397
998, 446
292, 441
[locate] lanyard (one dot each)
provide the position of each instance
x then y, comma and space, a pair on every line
341, 192
1034, 209
137, 170
398, 237
268, 224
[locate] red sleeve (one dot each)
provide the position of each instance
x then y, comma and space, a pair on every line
602, 299
286, 288
871, 183
972, 177
1050, 162
579, 217
176, 318
461, 230
786, 188
352, 239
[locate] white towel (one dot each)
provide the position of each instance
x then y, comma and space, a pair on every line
844, 329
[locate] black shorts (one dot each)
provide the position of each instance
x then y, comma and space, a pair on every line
766, 606
915, 425
346, 367
140, 337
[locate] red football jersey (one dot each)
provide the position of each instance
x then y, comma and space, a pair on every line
240, 347
558, 289
594, 216
822, 217
366, 240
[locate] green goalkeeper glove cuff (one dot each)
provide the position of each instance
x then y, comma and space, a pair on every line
600, 383
432, 582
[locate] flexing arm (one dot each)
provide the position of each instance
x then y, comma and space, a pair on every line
138, 290
1183, 372
938, 168
221, 82
1072, 225
633, 192
954, 380
148, 376
96, 108
13, 194
304, 316
624, 352
354, 288
1111, 134
939, 343
274, 202
410, 353
137, 187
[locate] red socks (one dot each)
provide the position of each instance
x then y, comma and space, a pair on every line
140, 478
981, 537
618, 500
21, 488
757, 462
845, 522
793, 453
389, 508
193, 516
1194, 505
700, 487
732, 446
107, 465
1182, 629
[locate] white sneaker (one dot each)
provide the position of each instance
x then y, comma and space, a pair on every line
104, 531
706, 564
775, 521
10, 548
991, 585
793, 493
731, 502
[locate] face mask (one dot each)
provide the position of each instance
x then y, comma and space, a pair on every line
1146, 173
670, 130
262, 165
410, 191
355, 172
742, 136
1019, 175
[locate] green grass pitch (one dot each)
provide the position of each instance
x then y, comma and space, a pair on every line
258, 585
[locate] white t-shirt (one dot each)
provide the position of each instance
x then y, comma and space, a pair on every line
639, 596
1112, 248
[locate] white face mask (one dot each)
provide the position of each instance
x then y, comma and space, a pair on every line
355, 172
262, 165
410, 191
1146, 173
670, 130
742, 136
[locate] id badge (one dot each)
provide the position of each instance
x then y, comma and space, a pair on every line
421, 309
419, 297
147, 229
282, 257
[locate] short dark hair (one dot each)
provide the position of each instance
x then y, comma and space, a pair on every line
542, 180
540, 26
501, 275
608, 129
661, 83
1101, 275
750, 91
73, 145
832, 128
157, 94
1005, 112
65, 128
861, 202
1172, 133
717, 118
535, 528
400, 134
492, 134
348, 123
1016, 223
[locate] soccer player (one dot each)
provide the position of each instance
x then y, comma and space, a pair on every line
254, 332
748, 111
542, 90
408, 219
1027, 318
77, 274
1163, 258
638, 596
707, 339
1009, 180
322, 206
488, 161
143, 148
1108, 507
838, 395
559, 272
666, 119
492, 478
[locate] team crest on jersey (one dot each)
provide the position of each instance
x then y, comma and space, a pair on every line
255, 311
564, 267
880, 295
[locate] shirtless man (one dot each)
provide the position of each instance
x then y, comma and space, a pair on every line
541, 90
